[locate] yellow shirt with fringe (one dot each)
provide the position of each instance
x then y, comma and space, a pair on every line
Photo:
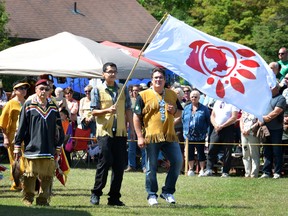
155, 130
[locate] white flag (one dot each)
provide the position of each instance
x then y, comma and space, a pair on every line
223, 70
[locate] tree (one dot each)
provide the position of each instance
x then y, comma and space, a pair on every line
4, 44
158, 8
259, 24
271, 32
4, 32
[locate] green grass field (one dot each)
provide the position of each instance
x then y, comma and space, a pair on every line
194, 196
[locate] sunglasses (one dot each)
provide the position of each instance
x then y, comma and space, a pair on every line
21, 88
43, 88
87, 91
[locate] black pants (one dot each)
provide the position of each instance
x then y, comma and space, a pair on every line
113, 153
226, 137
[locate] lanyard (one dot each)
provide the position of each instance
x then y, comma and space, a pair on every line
161, 105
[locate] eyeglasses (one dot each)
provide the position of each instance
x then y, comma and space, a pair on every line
21, 88
111, 72
87, 91
68, 93
281, 53
43, 88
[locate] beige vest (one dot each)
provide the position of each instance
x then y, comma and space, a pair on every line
105, 122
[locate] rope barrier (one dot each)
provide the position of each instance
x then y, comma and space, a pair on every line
204, 143
84, 138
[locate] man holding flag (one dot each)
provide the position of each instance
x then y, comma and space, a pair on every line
111, 134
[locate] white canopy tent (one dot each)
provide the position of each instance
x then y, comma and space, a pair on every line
68, 55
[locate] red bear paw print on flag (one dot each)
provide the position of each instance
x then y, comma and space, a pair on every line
222, 65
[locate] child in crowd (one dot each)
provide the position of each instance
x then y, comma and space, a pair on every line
67, 127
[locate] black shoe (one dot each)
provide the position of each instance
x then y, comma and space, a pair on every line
115, 203
94, 199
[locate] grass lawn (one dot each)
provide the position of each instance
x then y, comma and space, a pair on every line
194, 196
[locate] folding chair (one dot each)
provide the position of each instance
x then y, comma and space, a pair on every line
81, 145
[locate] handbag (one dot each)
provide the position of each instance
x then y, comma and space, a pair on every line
69, 145
262, 133
255, 129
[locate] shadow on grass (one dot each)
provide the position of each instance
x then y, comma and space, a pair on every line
187, 206
71, 195
9, 196
43, 211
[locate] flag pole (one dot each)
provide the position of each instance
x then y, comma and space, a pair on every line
135, 64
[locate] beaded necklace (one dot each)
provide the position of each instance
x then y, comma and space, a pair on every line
161, 104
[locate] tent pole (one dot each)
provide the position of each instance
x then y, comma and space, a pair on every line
186, 154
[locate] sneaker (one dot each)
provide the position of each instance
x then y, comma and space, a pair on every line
224, 175
168, 197
208, 172
276, 176
191, 173
264, 175
152, 200
201, 173
115, 202
94, 200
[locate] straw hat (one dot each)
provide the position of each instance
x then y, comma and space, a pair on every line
18, 84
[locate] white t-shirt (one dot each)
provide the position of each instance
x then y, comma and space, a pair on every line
223, 111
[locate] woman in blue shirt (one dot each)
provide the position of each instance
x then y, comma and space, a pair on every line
196, 120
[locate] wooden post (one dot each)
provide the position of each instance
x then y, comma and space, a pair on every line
186, 156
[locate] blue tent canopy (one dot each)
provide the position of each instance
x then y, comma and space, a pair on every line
77, 84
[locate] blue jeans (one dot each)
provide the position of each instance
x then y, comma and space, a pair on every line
200, 151
132, 152
173, 153
273, 153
